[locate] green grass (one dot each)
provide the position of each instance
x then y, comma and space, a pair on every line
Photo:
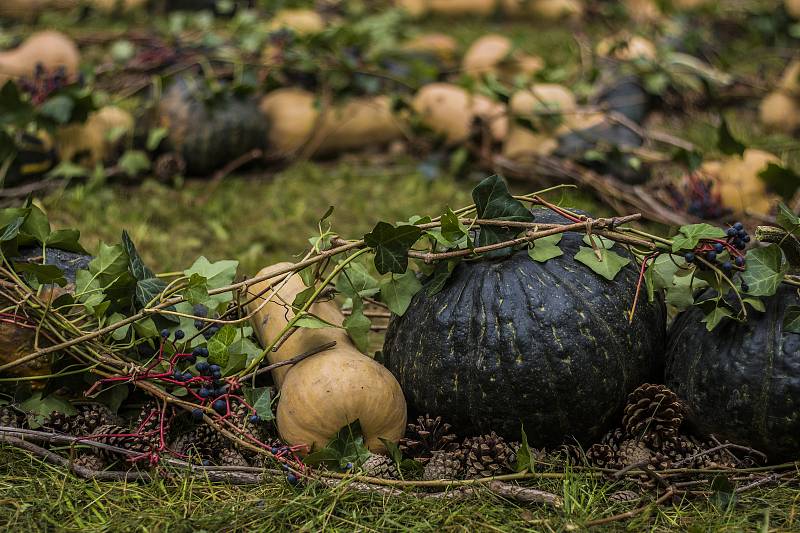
36, 497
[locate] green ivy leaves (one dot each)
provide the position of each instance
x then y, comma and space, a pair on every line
493, 201
765, 270
689, 236
391, 245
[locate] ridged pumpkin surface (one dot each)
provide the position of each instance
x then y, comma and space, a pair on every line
741, 381
514, 341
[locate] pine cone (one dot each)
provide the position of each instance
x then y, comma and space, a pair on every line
653, 414
633, 452
85, 421
92, 461
426, 436
444, 465
202, 442
569, 453
614, 438
229, 456
120, 437
602, 455
169, 165
624, 496
380, 466
488, 455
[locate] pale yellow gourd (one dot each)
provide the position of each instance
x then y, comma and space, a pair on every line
299, 120
92, 139
446, 110
544, 9
780, 111
301, 21
49, 48
543, 104
790, 79
116, 6
739, 184
523, 144
329, 390
626, 47
438, 44
495, 54
792, 8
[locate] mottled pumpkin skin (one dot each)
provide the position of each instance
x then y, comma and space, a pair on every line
512, 341
741, 381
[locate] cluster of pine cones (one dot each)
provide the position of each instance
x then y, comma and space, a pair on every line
198, 443
649, 436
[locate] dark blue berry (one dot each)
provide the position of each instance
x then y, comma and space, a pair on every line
220, 406
197, 352
198, 324
200, 310
727, 265
718, 248
202, 367
204, 392
214, 368
178, 375
165, 333
179, 334
745, 287
216, 374
739, 245
731, 232
187, 376
738, 226
746, 238
205, 351
689, 257
739, 261
197, 414
273, 450
348, 466
255, 419
191, 359
711, 256
292, 479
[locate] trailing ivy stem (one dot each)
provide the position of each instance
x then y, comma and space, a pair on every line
639, 285
303, 310
728, 281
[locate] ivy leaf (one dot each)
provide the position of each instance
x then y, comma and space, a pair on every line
147, 290
58, 108
355, 281
609, 264
787, 220
312, 322
146, 328
726, 143
218, 274
37, 408
546, 248
196, 291
493, 201
452, 228
791, 319
302, 297
135, 262
109, 263
11, 230
134, 162
36, 225
599, 241
397, 291
261, 400
235, 363
713, 318
154, 138
119, 334
765, 270
358, 326
219, 343
524, 459
780, 179
44, 274
440, 276
391, 244
691, 234
664, 268
755, 303
66, 239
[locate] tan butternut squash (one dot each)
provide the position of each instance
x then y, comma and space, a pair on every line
450, 111
30, 9
541, 103
792, 8
438, 44
301, 21
790, 79
329, 390
92, 138
495, 54
739, 184
780, 111
626, 47
49, 48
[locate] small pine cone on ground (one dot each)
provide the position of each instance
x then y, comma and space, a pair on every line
87, 418
602, 455
427, 435
624, 496
653, 414
632, 452
380, 466
229, 456
119, 436
488, 456
444, 465
92, 461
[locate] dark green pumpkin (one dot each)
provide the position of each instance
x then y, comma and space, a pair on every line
208, 135
741, 381
512, 341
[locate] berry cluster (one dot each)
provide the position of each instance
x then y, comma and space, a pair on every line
727, 254
698, 198
46, 83
209, 329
